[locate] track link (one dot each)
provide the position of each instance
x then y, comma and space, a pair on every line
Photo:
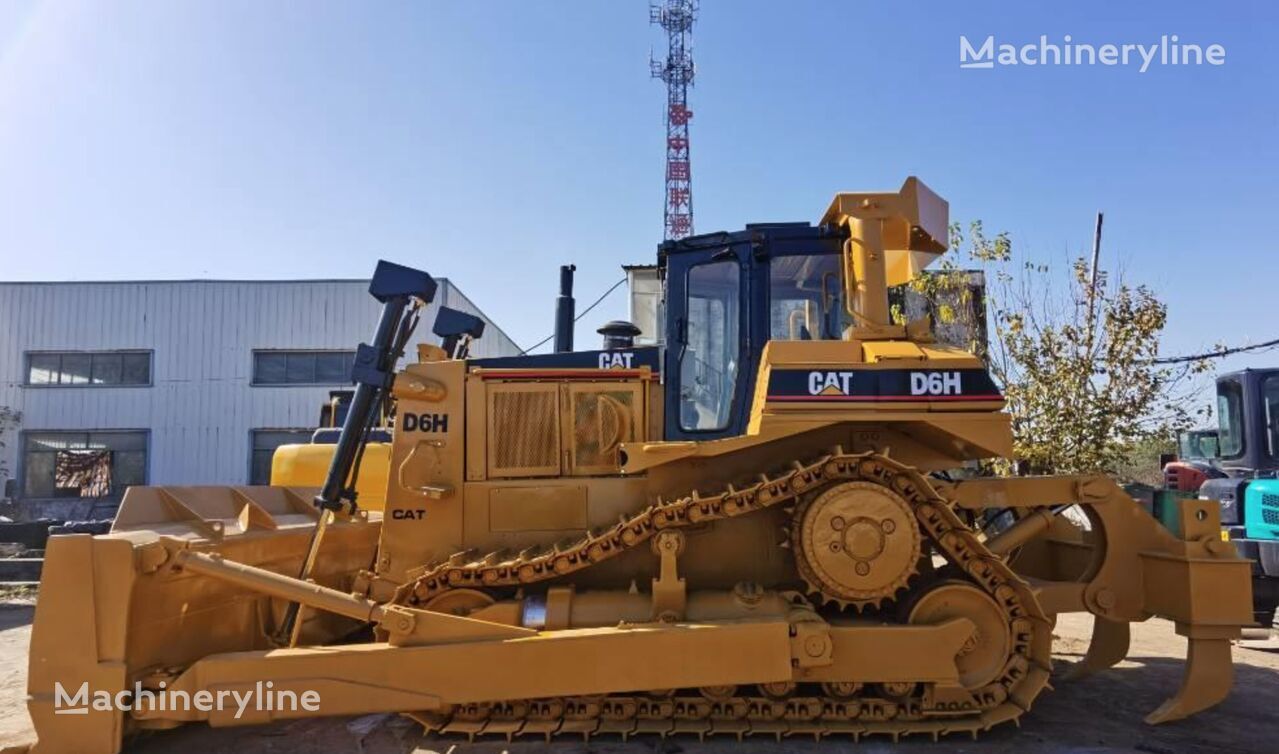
925, 709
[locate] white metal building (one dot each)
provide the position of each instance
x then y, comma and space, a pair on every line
173, 382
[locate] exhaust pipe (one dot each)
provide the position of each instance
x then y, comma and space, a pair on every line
565, 308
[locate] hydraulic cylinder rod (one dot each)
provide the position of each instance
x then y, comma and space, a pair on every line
1034, 524
396, 287
363, 403
283, 587
866, 287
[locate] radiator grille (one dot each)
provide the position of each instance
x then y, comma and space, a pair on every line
1269, 509
524, 433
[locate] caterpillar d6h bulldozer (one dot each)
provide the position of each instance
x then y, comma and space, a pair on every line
747, 529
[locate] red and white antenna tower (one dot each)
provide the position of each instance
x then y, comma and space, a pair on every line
676, 17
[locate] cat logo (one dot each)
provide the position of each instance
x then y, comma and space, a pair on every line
616, 359
830, 383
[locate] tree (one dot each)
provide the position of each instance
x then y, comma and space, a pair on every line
1075, 354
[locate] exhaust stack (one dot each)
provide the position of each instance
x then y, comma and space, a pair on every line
565, 308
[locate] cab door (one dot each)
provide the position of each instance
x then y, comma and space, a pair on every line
709, 364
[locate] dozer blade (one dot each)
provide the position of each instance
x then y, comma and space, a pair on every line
113, 610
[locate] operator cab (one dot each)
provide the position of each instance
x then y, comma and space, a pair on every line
1248, 428
1248, 419
726, 295
723, 297
1247, 444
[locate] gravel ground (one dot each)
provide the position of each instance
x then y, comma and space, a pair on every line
1099, 714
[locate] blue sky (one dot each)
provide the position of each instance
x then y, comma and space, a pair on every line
491, 142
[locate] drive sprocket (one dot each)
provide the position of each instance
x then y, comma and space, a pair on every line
856, 543
772, 707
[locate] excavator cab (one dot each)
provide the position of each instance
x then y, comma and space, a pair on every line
1244, 482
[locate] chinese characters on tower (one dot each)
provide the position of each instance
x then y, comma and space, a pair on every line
676, 17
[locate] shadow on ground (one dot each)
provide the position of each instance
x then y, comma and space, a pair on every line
16, 616
1098, 714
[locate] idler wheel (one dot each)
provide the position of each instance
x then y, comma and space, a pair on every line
982, 658
460, 602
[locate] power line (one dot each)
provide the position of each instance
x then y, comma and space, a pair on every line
1217, 354
585, 311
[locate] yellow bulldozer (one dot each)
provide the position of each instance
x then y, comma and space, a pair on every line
747, 529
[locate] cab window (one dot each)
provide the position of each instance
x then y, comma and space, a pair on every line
805, 297
1230, 419
709, 356
1270, 393
1198, 445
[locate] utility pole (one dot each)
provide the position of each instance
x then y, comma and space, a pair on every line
1092, 284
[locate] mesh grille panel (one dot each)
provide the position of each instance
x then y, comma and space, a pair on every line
601, 420
525, 430
1270, 509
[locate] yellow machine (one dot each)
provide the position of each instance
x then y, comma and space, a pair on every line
307, 464
747, 530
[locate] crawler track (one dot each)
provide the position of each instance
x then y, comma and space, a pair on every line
806, 710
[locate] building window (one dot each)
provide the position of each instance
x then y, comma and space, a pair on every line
265, 441
302, 367
90, 465
88, 368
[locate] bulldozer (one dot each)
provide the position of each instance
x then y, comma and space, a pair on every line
755, 527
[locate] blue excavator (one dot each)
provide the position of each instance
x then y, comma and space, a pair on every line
1248, 488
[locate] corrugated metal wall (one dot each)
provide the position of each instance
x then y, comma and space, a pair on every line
201, 406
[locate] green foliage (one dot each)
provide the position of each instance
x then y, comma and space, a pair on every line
948, 291
1140, 463
1075, 354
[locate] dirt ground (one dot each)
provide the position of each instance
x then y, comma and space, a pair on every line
1095, 715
